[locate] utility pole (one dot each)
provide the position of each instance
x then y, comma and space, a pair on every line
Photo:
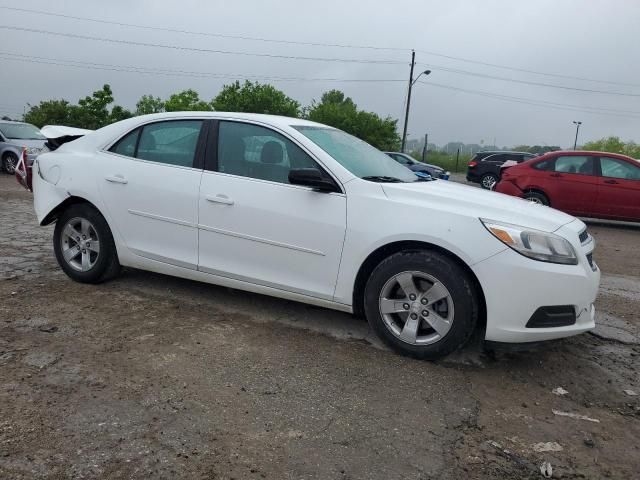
575, 142
457, 158
424, 150
406, 113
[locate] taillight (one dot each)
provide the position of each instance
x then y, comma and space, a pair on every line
472, 164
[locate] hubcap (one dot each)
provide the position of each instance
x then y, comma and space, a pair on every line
80, 244
489, 182
430, 314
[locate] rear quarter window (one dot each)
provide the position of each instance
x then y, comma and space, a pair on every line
545, 165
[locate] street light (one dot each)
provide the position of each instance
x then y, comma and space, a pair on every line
577, 124
412, 81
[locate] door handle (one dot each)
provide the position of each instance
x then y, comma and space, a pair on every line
612, 182
219, 199
116, 179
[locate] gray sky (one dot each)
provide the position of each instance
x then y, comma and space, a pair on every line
593, 39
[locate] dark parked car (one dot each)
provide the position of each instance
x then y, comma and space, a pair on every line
585, 184
484, 167
416, 166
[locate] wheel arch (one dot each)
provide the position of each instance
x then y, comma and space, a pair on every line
53, 215
389, 249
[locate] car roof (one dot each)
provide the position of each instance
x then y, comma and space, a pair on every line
493, 152
589, 153
13, 122
276, 120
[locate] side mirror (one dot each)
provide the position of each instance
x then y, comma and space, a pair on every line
312, 177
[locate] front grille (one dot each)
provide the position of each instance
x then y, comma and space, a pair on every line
584, 236
553, 316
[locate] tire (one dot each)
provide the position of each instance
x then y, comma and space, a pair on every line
9, 162
427, 268
488, 181
101, 265
536, 197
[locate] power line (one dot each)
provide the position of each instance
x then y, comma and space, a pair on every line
541, 103
524, 70
200, 50
528, 82
315, 44
207, 34
180, 73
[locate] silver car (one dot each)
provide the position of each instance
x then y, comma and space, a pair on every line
14, 136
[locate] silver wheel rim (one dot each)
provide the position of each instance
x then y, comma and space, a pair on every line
80, 244
535, 200
489, 182
416, 308
10, 163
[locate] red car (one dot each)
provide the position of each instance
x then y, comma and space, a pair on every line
585, 184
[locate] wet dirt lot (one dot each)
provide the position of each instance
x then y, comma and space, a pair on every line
154, 377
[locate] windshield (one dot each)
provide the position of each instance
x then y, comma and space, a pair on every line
358, 157
21, 131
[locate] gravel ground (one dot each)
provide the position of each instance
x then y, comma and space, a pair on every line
154, 377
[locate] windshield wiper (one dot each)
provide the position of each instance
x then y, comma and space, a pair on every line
382, 178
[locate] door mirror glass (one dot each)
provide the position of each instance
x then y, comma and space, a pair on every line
312, 177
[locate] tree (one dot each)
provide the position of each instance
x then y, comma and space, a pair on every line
614, 145
149, 104
187, 100
49, 112
255, 98
92, 111
341, 112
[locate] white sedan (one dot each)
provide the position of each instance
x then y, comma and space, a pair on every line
298, 210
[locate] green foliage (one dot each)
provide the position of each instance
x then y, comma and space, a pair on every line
341, 112
445, 160
537, 149
92, 112
186, 101
614, 145
255, 98
49, 112
149, 104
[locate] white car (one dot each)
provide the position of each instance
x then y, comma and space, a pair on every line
294, 209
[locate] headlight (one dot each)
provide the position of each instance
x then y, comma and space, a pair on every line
33, 150
543, 246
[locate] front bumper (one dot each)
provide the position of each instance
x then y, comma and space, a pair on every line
516, 286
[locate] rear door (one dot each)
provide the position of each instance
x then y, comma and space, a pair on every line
618, 190
149, 183
571, 184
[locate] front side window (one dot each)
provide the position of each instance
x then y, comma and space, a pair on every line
173, 142
360, 158
579, 164
257, 152
616, 168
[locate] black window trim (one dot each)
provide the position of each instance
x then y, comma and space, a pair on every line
211, 156
199, 153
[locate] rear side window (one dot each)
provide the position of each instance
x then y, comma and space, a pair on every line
578, 164
495, 158
172, 142
545, 165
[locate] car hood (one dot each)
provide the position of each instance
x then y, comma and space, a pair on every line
475, 202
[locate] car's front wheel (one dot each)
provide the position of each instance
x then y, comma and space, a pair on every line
9, 162
421, 303
536, 197
84, 246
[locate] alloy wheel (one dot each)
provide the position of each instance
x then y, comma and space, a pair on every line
489, 182
80, 244
416, 308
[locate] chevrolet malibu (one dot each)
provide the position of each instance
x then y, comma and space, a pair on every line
298, 210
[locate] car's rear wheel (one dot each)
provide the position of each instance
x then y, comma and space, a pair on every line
421, 303
9, 162
84, 246
536, 197
488, 181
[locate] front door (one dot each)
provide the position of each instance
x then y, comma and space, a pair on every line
618, 190
149, 183
256, 227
